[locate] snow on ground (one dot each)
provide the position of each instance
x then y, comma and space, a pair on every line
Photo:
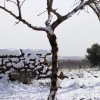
80, 85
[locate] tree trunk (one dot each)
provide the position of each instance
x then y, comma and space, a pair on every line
54, 50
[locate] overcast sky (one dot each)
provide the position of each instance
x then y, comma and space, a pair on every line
74, 35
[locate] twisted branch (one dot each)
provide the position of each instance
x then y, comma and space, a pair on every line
82, 4
23, 20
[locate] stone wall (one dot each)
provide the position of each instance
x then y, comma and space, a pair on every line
24, 60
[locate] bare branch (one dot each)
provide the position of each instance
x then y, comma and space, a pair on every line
41, 13
12, 2
19, 8
70, 14
56, 13
8, 11
16, 23
24, 21
96, 8
47, 23
49, 6
75, 3
33, 27
22, 3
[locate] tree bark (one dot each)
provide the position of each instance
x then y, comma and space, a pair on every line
54, 50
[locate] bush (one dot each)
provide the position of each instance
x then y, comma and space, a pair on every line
23, 76
94, 55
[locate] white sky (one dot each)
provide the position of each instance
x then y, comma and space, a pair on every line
74, 35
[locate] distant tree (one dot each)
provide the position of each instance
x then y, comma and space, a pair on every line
50, 26
94, 55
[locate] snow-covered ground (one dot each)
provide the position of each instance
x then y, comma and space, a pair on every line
80, 85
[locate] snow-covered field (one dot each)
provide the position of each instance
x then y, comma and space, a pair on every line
80, 85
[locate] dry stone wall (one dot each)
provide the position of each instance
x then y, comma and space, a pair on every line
28, 60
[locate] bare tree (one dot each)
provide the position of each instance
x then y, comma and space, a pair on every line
51, 26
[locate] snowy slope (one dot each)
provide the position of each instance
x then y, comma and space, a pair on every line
80, 85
